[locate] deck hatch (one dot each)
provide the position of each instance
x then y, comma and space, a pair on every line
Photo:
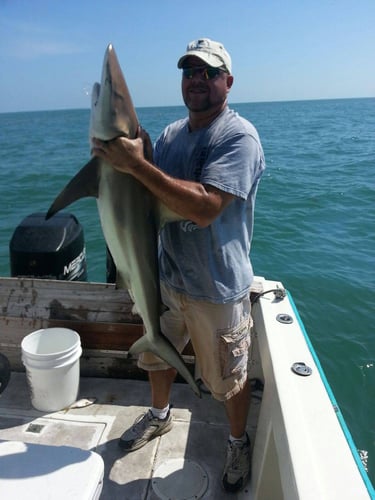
179, 479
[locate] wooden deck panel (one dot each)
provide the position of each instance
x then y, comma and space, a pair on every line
101, 314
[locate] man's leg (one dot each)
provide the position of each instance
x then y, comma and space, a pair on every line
238, 462
237, 409
220, 334
161, 383
158, 420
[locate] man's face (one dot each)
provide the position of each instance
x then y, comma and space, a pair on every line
203, 88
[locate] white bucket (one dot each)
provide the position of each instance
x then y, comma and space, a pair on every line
51, 358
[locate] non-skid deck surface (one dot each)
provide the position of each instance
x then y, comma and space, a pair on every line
199, 433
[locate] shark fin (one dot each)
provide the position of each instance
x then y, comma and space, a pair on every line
84, 184
165, 350
165, 215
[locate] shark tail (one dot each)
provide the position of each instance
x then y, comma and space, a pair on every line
165, 350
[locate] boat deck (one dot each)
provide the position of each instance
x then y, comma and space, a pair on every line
199, 436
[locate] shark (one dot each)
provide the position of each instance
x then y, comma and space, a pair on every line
131, 217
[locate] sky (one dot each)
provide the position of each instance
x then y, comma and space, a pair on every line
51, 51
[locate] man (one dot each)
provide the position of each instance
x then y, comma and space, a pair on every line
206, 168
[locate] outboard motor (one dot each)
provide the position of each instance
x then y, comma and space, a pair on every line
51, 249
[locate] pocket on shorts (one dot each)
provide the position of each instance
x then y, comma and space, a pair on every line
233, 349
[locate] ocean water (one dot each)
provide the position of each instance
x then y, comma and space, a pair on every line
314, 227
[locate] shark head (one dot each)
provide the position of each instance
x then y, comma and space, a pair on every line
112, 110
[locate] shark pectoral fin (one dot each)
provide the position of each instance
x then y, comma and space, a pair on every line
165, 350
84, 184
165, 215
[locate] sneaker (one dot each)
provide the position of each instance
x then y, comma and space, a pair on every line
238, 465
145, 428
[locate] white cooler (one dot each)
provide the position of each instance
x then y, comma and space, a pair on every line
40, 472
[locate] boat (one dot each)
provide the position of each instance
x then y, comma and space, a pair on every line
301, 446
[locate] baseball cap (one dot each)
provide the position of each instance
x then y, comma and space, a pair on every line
211, 52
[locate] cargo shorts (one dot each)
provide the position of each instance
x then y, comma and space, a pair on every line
220, 336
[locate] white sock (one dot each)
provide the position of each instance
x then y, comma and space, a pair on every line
160, 413
243, 438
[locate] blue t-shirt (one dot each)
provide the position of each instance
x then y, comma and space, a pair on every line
212, 263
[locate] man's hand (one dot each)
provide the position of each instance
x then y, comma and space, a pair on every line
122, 153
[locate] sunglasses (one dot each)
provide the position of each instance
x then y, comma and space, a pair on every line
207, 72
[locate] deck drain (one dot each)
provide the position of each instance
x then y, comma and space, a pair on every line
284, 318
179, 479
35, 428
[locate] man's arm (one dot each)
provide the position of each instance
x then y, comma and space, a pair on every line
200, 203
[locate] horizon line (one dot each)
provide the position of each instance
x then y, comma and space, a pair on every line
183, 105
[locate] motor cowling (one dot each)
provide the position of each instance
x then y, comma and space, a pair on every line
50, 249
